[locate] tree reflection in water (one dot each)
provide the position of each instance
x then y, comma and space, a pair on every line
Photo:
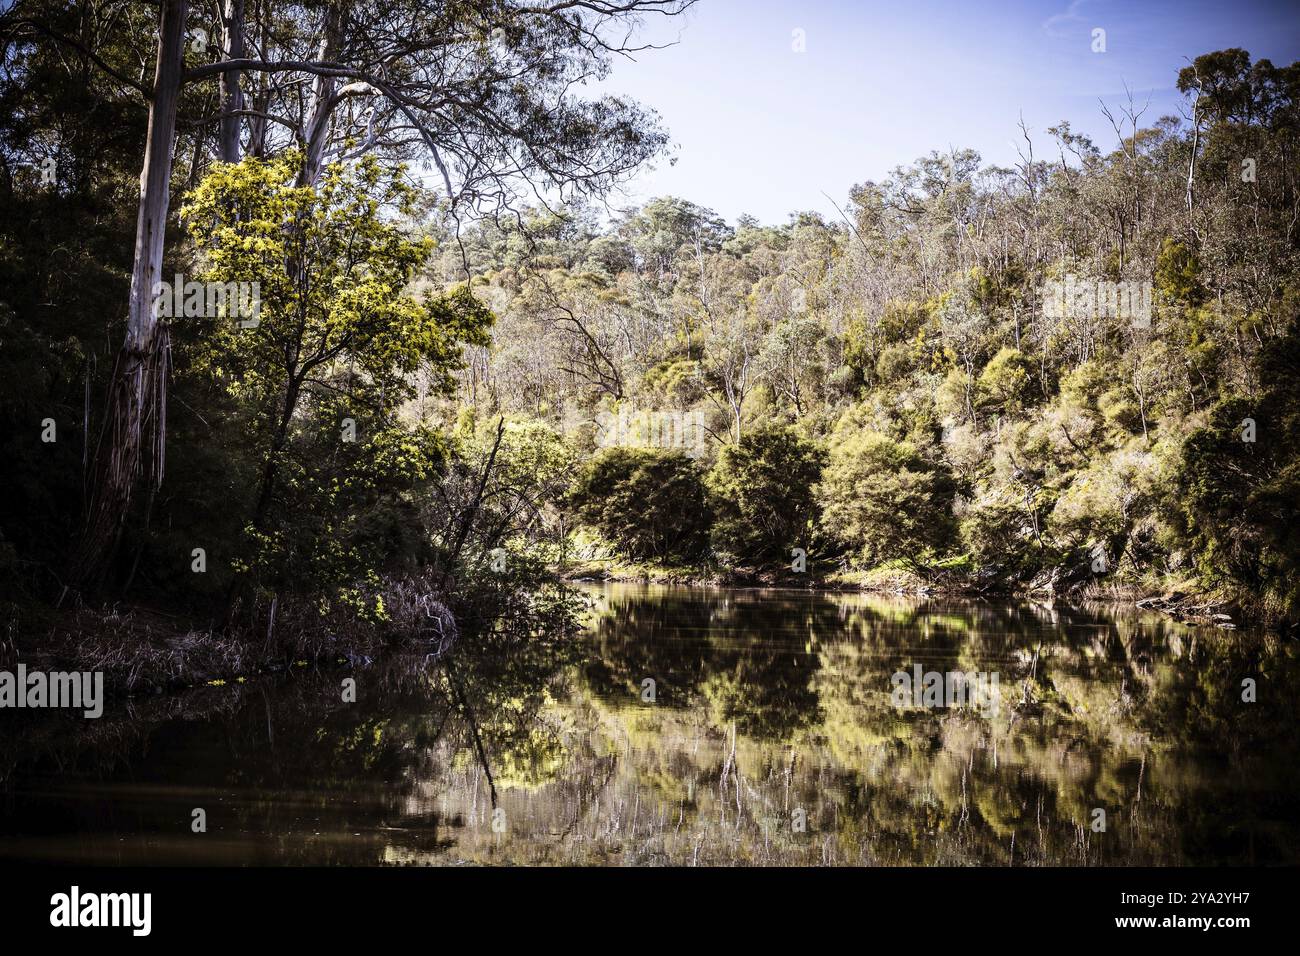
766, 703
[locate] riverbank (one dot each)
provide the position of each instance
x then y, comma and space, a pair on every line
1181, 599
147, 651
414, 620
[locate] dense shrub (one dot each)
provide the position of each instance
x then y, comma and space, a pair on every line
648, 503
1237, 499
882, 500
761, 489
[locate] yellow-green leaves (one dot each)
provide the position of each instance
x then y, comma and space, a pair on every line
321, 379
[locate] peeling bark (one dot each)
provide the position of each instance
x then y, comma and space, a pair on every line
137, 400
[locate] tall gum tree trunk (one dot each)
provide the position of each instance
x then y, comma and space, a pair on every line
232, 98
323, 102
137, 399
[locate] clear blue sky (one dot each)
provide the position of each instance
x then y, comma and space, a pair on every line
762, 129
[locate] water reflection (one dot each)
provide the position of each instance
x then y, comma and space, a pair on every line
770, 709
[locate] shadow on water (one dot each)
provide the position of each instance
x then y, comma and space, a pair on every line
771, 738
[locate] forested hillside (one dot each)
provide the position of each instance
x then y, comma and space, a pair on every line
901, 386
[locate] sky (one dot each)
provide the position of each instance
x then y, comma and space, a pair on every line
761, 128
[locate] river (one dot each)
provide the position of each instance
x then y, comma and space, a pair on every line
702, 727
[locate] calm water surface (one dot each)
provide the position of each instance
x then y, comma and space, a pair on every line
771, 709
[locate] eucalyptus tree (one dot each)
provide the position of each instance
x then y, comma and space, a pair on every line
486, 90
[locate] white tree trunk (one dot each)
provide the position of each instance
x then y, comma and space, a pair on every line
232, 97
323, 90
137, 398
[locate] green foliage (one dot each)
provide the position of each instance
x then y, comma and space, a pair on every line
761, 490
648, 503
1177, 274
1237, 499
883, 501
968, 416
971, 414
1007, 382
319, 381
663, 227
998, 533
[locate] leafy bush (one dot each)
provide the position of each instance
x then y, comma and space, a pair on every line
1007, 382
648, 503
762, 492
1236, 499
884, 501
